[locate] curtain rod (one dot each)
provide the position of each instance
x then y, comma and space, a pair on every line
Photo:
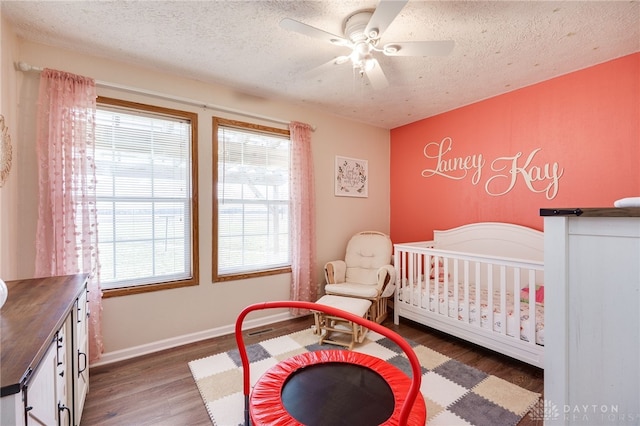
24, 67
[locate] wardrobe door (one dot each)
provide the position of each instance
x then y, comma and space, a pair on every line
40, 396
81, 365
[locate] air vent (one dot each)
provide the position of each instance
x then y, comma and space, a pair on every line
259, 332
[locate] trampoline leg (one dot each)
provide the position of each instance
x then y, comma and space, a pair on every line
246, 411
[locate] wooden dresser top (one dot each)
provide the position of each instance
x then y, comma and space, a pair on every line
593, 212
34, 311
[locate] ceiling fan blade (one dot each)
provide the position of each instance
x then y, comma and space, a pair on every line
384, 14
308, 30
321, 69
419, 48
376, 76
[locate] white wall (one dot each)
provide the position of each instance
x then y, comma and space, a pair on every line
136, 323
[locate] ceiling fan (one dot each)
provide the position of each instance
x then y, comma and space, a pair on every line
362, 33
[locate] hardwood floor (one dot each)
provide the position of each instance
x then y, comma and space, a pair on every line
158, 389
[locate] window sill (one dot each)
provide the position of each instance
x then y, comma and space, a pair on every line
126, 291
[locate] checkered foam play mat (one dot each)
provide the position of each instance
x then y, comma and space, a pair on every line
455, 394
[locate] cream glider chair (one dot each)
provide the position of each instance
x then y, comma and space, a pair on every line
366, 272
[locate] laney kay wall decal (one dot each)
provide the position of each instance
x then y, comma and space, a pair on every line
506, 171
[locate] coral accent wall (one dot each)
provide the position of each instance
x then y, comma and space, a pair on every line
586, 124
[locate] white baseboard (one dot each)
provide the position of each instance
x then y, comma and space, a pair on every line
123, 354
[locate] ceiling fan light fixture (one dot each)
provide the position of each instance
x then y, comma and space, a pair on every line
364, 65
369, 63
362, 48
361, 57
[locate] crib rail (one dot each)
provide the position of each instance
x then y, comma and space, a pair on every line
455, 286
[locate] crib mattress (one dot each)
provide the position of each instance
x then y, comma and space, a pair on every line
470, 315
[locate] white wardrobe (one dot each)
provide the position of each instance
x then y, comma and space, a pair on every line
592, 316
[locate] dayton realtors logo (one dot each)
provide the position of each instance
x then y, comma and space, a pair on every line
505, 172
581, 413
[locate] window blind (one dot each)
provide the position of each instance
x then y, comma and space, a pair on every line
143, 169
253, 200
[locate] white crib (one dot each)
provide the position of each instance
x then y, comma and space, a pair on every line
481, 282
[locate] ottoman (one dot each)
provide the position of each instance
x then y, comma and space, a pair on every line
339, 331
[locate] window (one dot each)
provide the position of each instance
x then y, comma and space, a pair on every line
146, 171
251, 206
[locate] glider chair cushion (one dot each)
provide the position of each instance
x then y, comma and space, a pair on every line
366, 272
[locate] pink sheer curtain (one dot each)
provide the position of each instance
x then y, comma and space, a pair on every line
304, 285
67, 235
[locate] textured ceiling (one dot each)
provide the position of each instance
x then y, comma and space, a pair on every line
499, 46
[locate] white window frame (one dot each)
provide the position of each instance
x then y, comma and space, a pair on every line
185, 278
222, 274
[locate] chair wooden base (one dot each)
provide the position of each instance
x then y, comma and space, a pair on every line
337, 330
378, 310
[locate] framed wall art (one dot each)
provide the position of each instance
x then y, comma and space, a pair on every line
351, 177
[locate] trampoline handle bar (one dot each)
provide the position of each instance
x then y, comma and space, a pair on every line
414, 389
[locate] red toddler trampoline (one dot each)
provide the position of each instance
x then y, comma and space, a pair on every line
332, 387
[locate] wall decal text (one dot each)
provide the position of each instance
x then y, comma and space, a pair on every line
506, 171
